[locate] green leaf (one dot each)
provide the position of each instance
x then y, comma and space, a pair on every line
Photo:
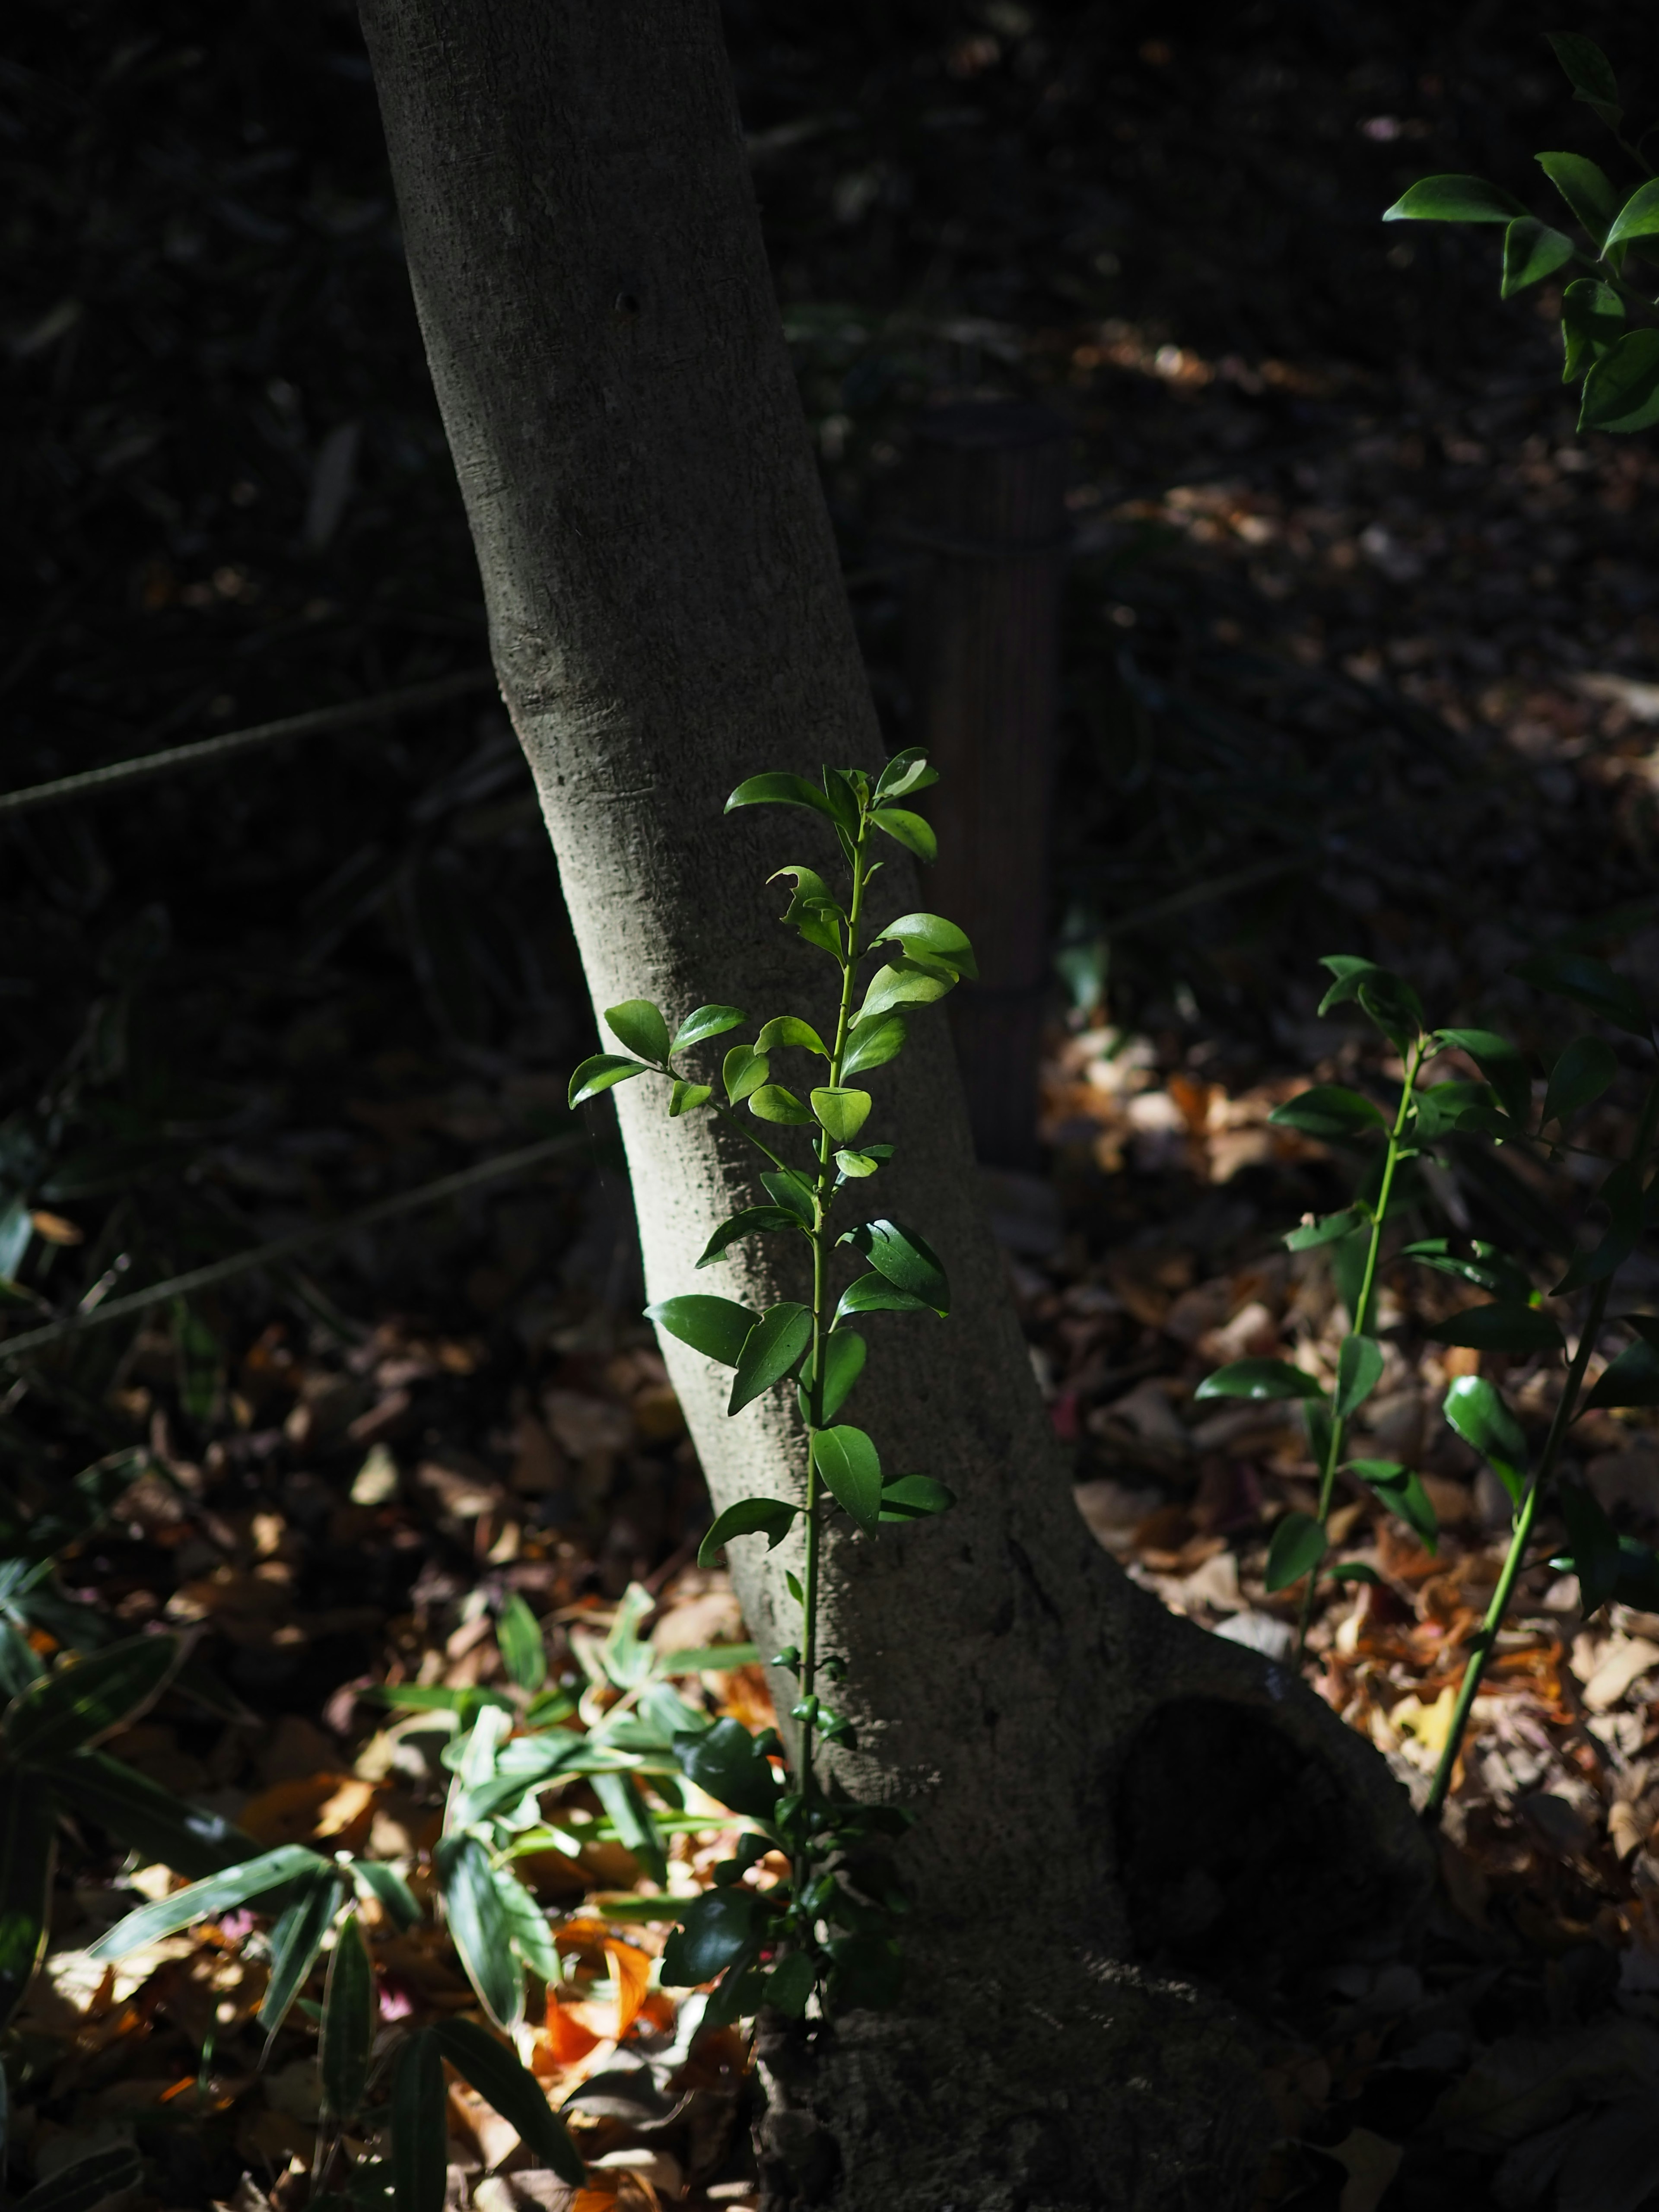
1632, 1379
296, 1944
716, 1927
1328, 1110
89, 2181
686, 1097
706, 1022
28, 1823
907, 830
780, 790
717, 1328
1443, 1108
930, 936
519, 1634
790, 1983
513, 2090
903, 983
750, 1222
1455, 199
750, 1517
156, 1822
770, 1351
1504, 1325
1500, 1063
856, 1166
478, 1926
844, 1355
1480, 1416
1297, 1548
90, 1697
905, 1258
789, 1030
791, 1191
907, 771
1638, 218
772, 1103
603, 1070
1591, 983
1258, 1378
1587, 189
420, 2129
1595, 1540
915, 1498
1488, 1270
630, 1816
1359, 1371
1388, 999
219, 1893
527, 1929
843, 799
1622, 393
843, 1113
1325, 1231
1353, 1570
813, 910
727, 1762
640, 1027
1584, 1071
387, 1886
1532, 251
1589, 73
1592, 323
873, 1044
744, 1070
1402, 1492
873, 1293
851, 1467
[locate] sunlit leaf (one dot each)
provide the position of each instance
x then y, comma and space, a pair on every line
478, 1926
296, 1944
770, 1351
1258, 1378
686, 1097
907, 771
718, 1327
519, 1633
744, 1070
905, 1258
602, 1072
750, 1517
777, 789
1455, 199
630, 1816
790, 1029
639, 1025
706, 1022
907, 830
1481, 1416
750, 1222
903, 983
237, 1885
873, 1044
842, 1112
930, 935
915, 1498
772, 1102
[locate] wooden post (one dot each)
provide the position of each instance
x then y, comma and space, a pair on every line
988, 536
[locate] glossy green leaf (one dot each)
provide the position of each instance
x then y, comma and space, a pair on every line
141, 1814
774, 1345
1589, 73
778, 789
1594, 1541
1359, 1371
1481, 1416
750, 1517
1637, 219
27, 1829
842, 1112
87, 1698
1501, 1065
296, 1944
1632, 1379
844, 1354
204, 1900
1328, 1110
907, 771
915, 1498
1592, 323
1621, 391
1386, 998
1532, 251
1296, 1546
511, 2089
743, 1071
856, 1167
843, 799
1591, 983
717, 1928
1486, 1267
789, 1985
772, 1102
790, 1029
1353, 1570
907, 830
813, 911
1455, 199
706, 1022
602, 1072
717, 1328
102, 2174
1325, 1231
873, 1043
374, 1877
726, 1762
903, 983
790, 1190
750, 1222
630, 1816
851, 1467
420, 2127
527, 1925
931, 936
1504, 1325
350, 2009
1587, 189
1584, 1071
873, 1293
1401, 1491
686, 1097
1258, 1378
519, 1633
640, 1026
905, 1258
478, 1926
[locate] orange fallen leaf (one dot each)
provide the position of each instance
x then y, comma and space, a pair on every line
568, 2040
630, 1969
55, 1230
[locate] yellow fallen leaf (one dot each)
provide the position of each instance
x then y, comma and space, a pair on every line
1429, 1724
630, 1969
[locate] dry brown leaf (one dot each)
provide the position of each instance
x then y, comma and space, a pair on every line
336, 1806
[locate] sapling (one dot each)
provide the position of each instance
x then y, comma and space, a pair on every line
827, 1925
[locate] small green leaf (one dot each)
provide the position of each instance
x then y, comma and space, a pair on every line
90, 1697
640, 1027
813, 911
780, 790
296, 1944
1591, 983
527, 1929
1296, 1548
716, 1927
1622, 393
844, 1354
686, 1097
873, 1044
519, 1634
1500, 1063
905, 1258
728, 1762
1501, 1327
843, 799
1532, 251
789, 1030
774, 1345
1328, 1110
1632, 1379
907, 830
1595, 1540
743, 1071
511, 2089
478, 1927
1592, 323
29, 1824
750, 1222
1584, 1071
1587, 189
903, 983
750, 1517
789, 1985
717, 1328
856, 1166
604, 1069
1480, 1416
1388, 999
1359, 1371
1589, 73
791, 1190
1638, 217
1353, 1570
772, 1103
906, 772
1455, 199
873, 1293
1258, 1378
1403, 1494
843, 1113
706, 1022
851, 1467
915, 1498
630, 1816
930, 936
1325, 1231
1488, 1270
419, 2133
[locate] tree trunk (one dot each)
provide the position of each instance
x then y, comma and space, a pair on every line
1109, 1801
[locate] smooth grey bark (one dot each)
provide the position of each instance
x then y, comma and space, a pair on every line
1107, 1795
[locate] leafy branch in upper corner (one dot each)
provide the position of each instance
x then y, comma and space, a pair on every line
1618, 366
828, 1926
